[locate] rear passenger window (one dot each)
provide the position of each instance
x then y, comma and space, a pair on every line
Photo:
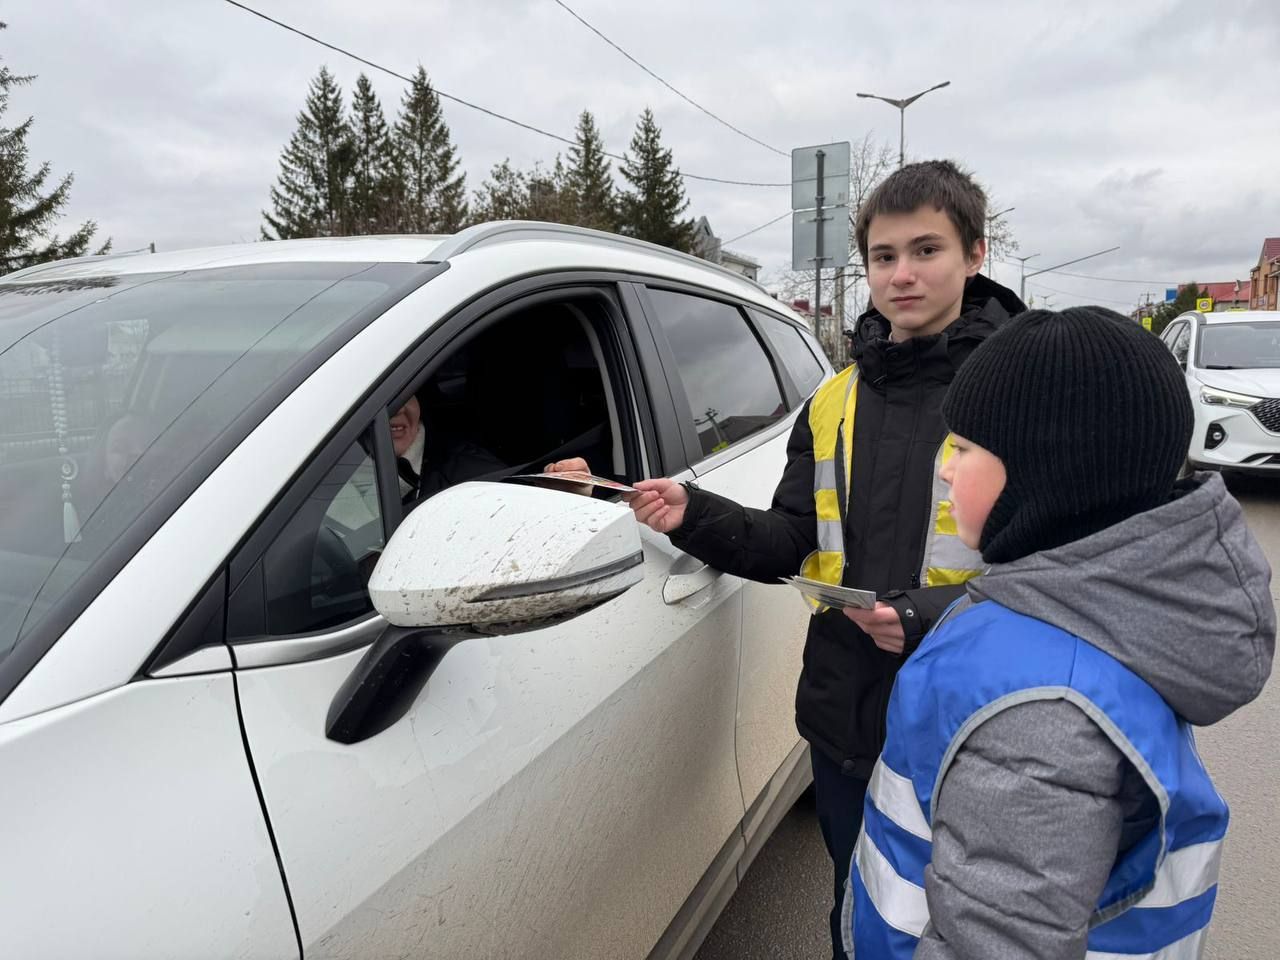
806, 372
728, 378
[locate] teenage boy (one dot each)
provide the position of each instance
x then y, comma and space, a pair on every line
859, 502
1040, 794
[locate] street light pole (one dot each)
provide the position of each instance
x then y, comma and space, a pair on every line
1022, 287
902, 105
1058, 266
990, 220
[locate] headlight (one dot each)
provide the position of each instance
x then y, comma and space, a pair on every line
1225, 398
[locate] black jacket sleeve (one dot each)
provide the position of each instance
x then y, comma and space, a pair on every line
757, 544
920, 609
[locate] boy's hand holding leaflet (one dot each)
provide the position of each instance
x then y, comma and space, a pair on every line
879, 621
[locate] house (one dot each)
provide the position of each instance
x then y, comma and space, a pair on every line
707, 245
1228, 295
1265, 277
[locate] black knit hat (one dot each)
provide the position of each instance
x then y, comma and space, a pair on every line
1090, 415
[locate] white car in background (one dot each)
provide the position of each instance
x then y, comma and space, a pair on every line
1232, 362
251, 707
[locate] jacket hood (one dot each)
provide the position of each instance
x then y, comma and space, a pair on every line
986, 305
1181, 595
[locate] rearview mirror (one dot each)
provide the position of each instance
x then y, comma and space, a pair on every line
499, 557
480, 558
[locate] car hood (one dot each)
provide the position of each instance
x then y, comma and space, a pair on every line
1263, 382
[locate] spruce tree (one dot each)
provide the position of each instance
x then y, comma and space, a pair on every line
589, 180
431, 192
652, 208
27, 212
373, 167
312, 195
550, 196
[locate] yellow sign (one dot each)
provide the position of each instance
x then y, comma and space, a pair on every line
1205, 304
1146, 323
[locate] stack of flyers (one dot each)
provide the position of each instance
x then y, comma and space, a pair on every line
572, 478
825, 595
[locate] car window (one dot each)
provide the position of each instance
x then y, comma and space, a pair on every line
1239, 346
314, 573
1171, 333
806, 372
728, 378
113, 389
1182, 345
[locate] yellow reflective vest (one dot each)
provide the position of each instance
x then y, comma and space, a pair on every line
831, 420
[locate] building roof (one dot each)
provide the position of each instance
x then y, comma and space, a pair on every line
1226, 290
1270, 248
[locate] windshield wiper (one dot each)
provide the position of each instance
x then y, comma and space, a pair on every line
1219, 366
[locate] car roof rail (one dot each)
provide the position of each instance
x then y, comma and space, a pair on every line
505, 231
28, 273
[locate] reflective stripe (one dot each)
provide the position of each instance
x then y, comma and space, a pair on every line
895, 797
900, 903
1188, 948
1185, 874
830, 537
824, 475
951, 553
941, 576
945, 522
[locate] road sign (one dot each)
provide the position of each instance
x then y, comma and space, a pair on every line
1146, 323
835, 238
1170, 294
835, 175
1205, 305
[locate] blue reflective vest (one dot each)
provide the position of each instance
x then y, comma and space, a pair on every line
1159, 897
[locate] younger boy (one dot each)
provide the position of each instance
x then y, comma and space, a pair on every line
1039, 794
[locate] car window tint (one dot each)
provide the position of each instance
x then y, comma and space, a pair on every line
806, 372
728, 378
314, 573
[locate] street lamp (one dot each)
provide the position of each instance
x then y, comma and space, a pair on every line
1022, 286
1022, 294
990, 220
902, 114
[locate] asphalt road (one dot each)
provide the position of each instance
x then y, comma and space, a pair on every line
780, 910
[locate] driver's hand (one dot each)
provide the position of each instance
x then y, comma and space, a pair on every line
574, 464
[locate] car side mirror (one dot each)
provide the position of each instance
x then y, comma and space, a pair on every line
480, 558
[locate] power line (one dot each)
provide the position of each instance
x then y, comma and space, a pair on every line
742, 133
467, 103
1086, 276
725, 243
1067, 293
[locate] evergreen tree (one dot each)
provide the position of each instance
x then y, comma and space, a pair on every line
432, 194
1165, 313
589, 180
504, 196
27, 212
550, 196
312, 195
652, 208
373, 168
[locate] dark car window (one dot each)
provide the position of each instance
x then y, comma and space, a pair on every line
728, 378
314, 573
112, 389
1239, 346
806, 372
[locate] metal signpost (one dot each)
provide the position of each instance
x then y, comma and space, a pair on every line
820, 223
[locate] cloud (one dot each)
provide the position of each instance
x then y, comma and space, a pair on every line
1145, 125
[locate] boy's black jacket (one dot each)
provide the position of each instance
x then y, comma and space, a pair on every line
845, 683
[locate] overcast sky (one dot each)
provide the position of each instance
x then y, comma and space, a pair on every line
1148, 125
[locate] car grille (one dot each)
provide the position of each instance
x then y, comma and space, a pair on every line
1268, 414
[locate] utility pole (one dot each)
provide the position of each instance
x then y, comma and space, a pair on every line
818, 258
902, 105
1022, 294
1022, 286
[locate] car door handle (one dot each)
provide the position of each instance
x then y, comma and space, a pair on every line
681, 586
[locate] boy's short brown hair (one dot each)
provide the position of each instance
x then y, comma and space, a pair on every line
940, 184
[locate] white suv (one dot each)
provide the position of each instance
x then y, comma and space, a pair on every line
1232, 362
250, 706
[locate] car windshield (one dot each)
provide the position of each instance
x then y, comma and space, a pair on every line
1239, 346
112, 387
